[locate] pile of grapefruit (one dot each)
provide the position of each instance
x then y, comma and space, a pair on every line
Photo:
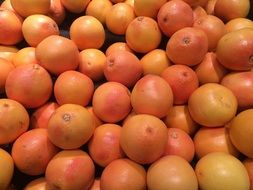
126, 95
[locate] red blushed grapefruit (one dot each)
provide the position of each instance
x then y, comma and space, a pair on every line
187, 46
111, 102
123, 67
32, 151
31, 78
152, 95
182, 80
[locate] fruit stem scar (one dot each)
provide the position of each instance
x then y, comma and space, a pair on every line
251, 59
111, 62
186, 40
36, 67
174, 135
66, 117
140, 18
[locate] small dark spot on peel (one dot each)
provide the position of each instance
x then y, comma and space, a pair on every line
149, 130
165, 19
6, 105
55, 26
21, 124
185, 74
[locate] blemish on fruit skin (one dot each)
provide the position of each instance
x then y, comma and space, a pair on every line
165, 19
185, 74
149, 130
21, 124
222, 102
55, 26
5, 105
